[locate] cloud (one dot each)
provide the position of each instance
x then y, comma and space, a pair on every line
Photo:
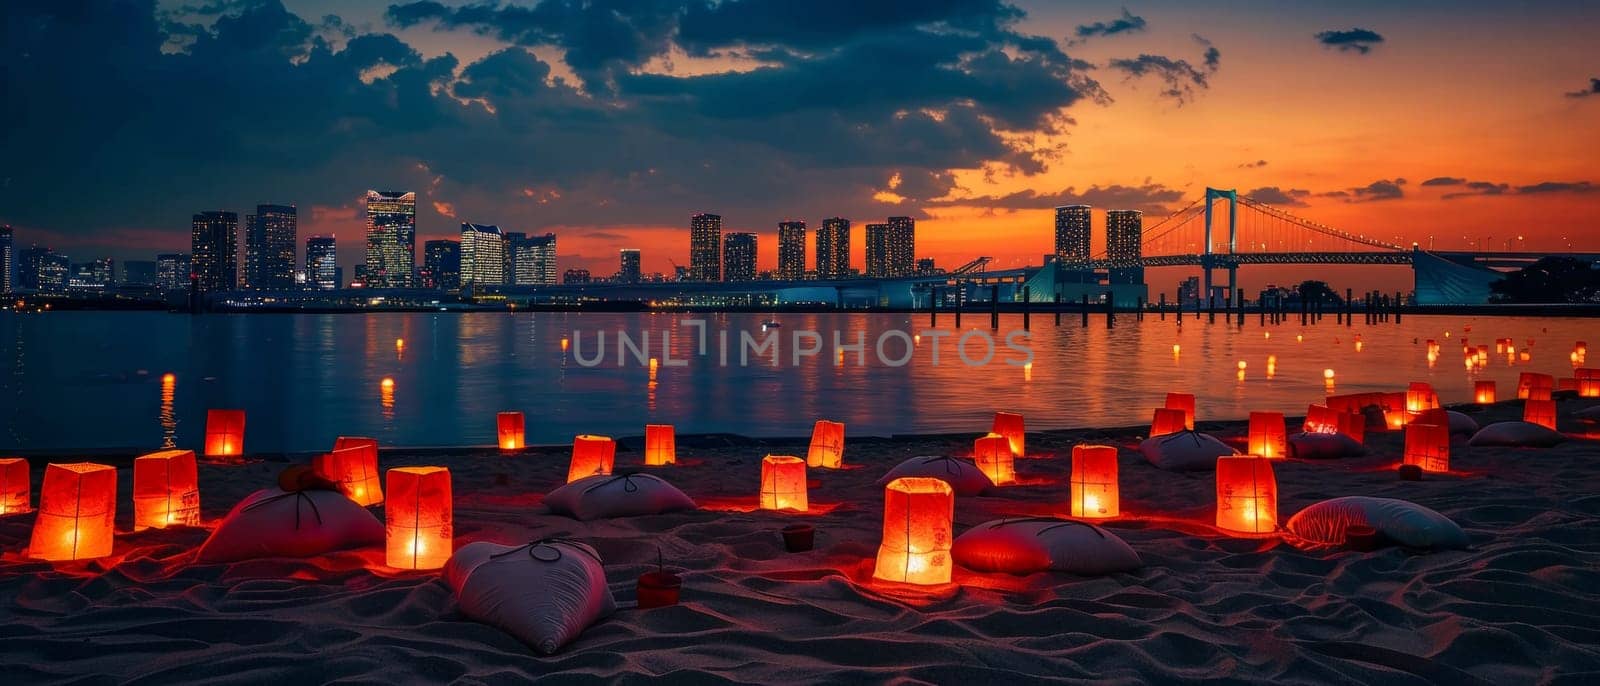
1179, 77
1352, 40
1594, 89
1382, 189
1444, 181
1127, 23
1272, 195
1149, 197
1253, 165
1481, 188
1474, 188
1559, 187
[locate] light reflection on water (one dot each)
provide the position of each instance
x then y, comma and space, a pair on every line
94, 380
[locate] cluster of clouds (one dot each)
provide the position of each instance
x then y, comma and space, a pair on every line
1453, 187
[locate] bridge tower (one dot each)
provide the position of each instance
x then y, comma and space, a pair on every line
1207, 260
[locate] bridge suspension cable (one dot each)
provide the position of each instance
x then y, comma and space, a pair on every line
1314, 226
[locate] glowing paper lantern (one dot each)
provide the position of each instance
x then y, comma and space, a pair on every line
1588, 383
354, 470
224, 433
1353, 425
1394, 410
419, 511
827, 445
1532, 386
1094, 481
77, 508
509, 427
1185, 402
15, 486
591, 455
992, 454
1269, 436
783, 483
1247, 495
1420, 396
1483, 392
1428, 446
1541, 412
1009, 424
367, 444
166, 490
1321, 419
917, 515
660, 445
1168, 421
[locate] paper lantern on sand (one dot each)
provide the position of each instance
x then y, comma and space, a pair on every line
660, 445
992, 454
1420, 396
1428, 446
1185, 402
1541, 412
1009, 424
224, 433
917, 514
418, 511
15, 486
77, 508
783, 483
1588, 383
1168, 421
1094, 482
1247, 495
591, 456
827, 445
1353, 425
1269, 436
1483, 392
510, 429
166, 490
354, 470
1533, 386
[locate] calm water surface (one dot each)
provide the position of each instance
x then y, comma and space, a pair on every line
94, 379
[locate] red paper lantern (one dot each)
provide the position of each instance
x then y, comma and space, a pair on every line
368, 444
827, 445
660, 445
1354, 426
1247, 495
1009, 424
1094, 482
166, 490
419, 512
1483, 392
1588, 383
1420, 396
783, 483
917, 516
1428, 446
77, 509
591, 455
1321, 419
509, 427
1269, 435
1168, 421
1394, 410
1533, 386
1541, 412
1185, 402
16, 486
355, 471
224, 433
992, 454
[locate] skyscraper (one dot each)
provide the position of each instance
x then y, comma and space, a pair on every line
628, 269
739, 257
442, 265
513, 240
172, 271
42, 270
877, 251
1072, 235
214, 250
833, 249
902, 248
391, 238
322, 263
483, 260
269, 243
792, 250
535, 261
1124, 230
139, 273
94, 275
705, 247
7, 258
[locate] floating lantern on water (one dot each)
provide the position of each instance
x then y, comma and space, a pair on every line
1168, 421
1483, 392
1428, 446
387, 383
1588, 383
16, 486
1533, 386
169, 379
1185, 402
1247, 495
509, 427
1359, 345
1242, 365
1268, 435
224, 433
827, 445
1176, 349
917, 515
1299, 338
1009, 424
166, 490
992, 454
1327, 375
591, 455
660, 445
1094, 482
419, 514
1272, 366
783, 483
1321, 419
354, 469
399, 344
77, 508
1541, 412
564, 343
1421, 396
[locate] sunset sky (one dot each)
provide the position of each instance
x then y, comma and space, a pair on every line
1442, 123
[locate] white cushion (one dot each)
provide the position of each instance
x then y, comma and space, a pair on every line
1025, 546
603, 496
1517, 434
1403, 522
963, 476
543, 593
273, 522
1185, 451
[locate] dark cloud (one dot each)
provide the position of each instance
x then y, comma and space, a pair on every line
1150, 197
1127, 23
1444, 181
1481, 188
1253, 165
1382, 189
1473, 188
1351, 40
1272, 195
1594, 89
1559, 187
1179, 77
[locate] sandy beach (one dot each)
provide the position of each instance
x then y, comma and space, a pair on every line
1521, 606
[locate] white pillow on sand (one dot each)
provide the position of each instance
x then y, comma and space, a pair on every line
1185, 451
1517, 434
963, 476
273, 522
1461, 424
544, 593
1025, 546
1321, 446
1588, 415
1400, 521
603, 496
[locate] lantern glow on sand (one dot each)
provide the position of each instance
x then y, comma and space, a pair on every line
166, 490
1532, 386
1247, 495
660, 445
1094, 482
917, 532
1428, 446
509, 427
1483, 392
1168, 421
15, 486
827, 445
1541, 412
354, 470
1185, 402
225, 434
1269, 436
77, 508
1420, 396
783, 483
591, 455
992, 454
1009, 424
419, 514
